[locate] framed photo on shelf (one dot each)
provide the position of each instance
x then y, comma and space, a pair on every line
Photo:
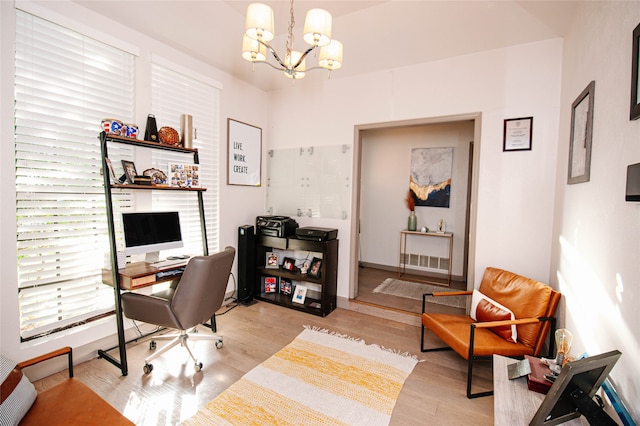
286, 286
518, 133
112, 173
315, 268
269, 284
299, 294
184, 175
129, 170
271, 260
289, 264
581, 133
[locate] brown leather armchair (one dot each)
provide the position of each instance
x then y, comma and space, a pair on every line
533, 305
197, 296
69, 402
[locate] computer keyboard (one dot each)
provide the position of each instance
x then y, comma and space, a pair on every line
169, 262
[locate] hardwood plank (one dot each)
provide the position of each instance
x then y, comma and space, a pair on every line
434, 393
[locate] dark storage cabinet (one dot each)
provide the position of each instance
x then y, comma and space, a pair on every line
321, 297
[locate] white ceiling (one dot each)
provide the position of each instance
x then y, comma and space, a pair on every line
376, 35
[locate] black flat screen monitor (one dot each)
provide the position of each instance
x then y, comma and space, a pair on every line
571, 394
151, 232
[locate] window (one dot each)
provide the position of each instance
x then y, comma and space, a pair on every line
174, 94
65, 84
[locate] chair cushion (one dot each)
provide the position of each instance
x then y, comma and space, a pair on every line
71, 402
455, 331
527, 298
17, 392
485, 309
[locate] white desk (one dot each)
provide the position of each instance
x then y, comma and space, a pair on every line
513, 403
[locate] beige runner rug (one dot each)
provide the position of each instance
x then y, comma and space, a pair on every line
413, 290
321, 378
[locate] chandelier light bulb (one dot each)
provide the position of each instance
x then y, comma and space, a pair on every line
253, 50
259, 22
331, 56
290, 60
317, 27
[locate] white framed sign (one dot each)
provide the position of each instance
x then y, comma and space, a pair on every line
244, 146
518, 133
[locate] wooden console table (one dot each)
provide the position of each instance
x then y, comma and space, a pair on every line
513, 403
402, 262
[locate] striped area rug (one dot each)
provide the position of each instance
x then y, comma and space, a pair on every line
321, 378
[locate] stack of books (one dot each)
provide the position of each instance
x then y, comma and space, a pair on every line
142, 180
536, 380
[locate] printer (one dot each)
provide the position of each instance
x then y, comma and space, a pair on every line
316, 234
276, 226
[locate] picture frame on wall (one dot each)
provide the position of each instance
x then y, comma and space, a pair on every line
518, 134
581, 136
244, 149
634, 112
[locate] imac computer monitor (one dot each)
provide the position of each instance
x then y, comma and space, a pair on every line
148, 233
571, 394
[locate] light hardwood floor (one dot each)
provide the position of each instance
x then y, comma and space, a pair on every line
434, 393
369, 278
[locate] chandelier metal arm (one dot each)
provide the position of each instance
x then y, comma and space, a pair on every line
273, 52
304, 55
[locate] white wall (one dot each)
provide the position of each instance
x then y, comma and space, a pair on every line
595, 241
515, 200
238, 204
386, 159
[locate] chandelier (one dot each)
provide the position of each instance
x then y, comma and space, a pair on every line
317, 33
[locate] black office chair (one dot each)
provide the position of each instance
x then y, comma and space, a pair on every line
197, 296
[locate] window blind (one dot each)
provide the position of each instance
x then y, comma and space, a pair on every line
173, 94
65, 84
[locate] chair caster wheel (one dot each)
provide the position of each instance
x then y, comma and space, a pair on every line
219, 344
152, 345
148, 368
198, 366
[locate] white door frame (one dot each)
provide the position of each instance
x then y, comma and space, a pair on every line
355, 195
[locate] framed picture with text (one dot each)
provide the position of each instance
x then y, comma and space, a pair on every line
518, 133
244, 148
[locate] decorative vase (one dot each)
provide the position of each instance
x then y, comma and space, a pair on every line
413, 221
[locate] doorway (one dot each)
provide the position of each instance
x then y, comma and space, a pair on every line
375, 255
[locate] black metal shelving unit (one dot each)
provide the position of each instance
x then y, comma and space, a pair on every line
105, 140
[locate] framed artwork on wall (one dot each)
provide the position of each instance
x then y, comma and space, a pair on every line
634, 113
244, 149
518, 133
581, 135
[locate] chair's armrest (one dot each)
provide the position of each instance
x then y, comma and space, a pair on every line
517, 321
442, 294
450, 293
53, 354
